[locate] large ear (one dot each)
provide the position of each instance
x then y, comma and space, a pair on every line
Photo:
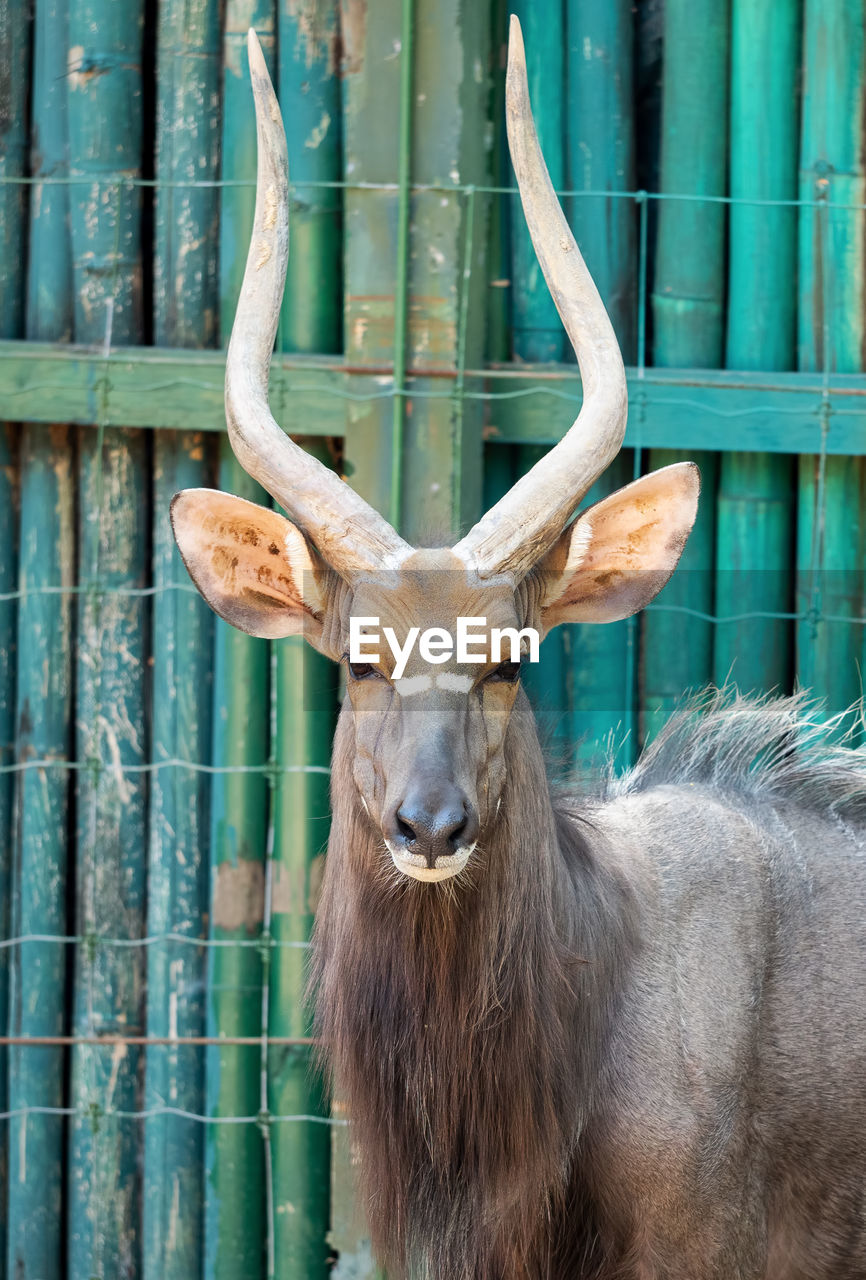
254, 568
618, 554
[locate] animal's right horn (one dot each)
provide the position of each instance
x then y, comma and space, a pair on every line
524, 524
349, 533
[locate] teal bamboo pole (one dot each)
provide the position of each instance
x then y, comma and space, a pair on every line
44, 705
831, 530
14, 36
756, 496
306, 702
38, 986
498, 337
14, 86
600, 153
536, 328
185, 315
105, 132
545, 681
8, 583
599, 685
305, 692
600, 158
688, 324
234, 1156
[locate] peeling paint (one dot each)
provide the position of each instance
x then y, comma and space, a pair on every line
317, 38
239, 896
319, 133
354, 29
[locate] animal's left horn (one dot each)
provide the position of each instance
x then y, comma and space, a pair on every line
349, 533
524, 524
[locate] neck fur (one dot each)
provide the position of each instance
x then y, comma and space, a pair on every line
464, 1024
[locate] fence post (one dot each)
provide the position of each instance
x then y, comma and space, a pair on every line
305, 693
185, 315
105, 130
14, 36
235, 1222
831, 529
756, 500
689, 325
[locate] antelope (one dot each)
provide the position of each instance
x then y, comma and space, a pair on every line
619, 1034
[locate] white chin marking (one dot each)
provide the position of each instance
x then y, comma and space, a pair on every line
415, 865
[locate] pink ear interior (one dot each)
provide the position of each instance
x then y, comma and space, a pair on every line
618, 554
252, 565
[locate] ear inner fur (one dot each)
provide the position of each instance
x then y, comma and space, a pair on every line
254, 567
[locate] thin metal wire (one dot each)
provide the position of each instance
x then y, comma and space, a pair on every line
96, 1114
564, 193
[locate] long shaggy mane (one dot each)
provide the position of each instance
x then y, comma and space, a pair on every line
769, 749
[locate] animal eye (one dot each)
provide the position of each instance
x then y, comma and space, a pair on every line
509, 672
361, 670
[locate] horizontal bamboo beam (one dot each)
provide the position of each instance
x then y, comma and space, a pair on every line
719, 409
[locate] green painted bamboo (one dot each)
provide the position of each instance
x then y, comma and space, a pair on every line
687, 312
235, 1226
309, 93
600, 158
185, 314
306, 701
756, 496
600, 692
498, 303
8, 611
38, 986
677, 646
47, 559
14, 86
545, 681
105, 133
689, 272
831, 530
14, 37
600, 153
536, 329
305, 682
104, 1154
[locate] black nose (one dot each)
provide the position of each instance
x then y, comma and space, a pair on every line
434, 822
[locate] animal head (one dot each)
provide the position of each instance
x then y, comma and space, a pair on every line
430, 696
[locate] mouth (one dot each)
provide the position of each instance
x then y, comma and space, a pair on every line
415, 864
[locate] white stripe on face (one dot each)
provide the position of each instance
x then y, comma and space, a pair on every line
407, 685
454, 682
448, 680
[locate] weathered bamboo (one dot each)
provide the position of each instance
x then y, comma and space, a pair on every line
831, 530
546, 680
234, 1158
306, 702
600, 687
600, 153
38, 978
305, 692
14, 36
47, 559
536, 328
105, 132
756, 498
689, 330
600, 158
185, 315
8, 583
